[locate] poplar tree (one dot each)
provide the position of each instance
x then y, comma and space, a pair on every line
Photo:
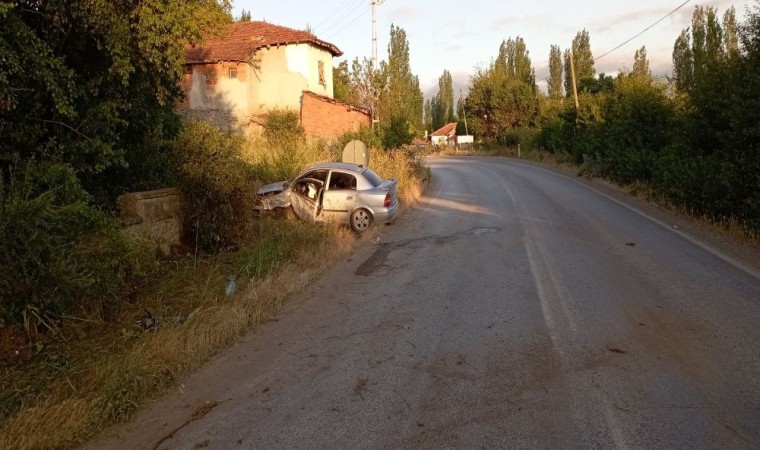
730, 33
444, 101
582, 58
700, 50
641, 64
401, 98
555, 73
428, 115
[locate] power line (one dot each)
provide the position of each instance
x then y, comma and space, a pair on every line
330, 14
634, 37
343, 17
350, 23
644, 30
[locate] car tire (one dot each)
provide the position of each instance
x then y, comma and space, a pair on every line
361, 220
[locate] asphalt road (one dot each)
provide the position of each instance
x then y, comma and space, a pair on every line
514, 307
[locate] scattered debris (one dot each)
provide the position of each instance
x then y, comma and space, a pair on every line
361, 385
675, 227
420, 424
203, 409
230, 287
630, 244
266, 389
616, 350
148, 322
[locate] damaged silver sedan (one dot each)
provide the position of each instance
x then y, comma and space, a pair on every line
335, 193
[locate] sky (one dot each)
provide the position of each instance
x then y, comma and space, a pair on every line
462, 35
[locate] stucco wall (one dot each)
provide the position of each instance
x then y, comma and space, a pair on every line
327, 118
210, 88
284, 72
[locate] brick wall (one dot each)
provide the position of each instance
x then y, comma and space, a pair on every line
328, 118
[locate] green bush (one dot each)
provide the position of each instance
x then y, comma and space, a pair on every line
58, 254
397, 133
217, 183
365, 134
553, 136
283, 126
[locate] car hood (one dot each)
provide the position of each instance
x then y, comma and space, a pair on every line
273, 187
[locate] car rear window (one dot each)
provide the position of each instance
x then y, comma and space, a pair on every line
373, 178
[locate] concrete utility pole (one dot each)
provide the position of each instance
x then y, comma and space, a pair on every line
374, 4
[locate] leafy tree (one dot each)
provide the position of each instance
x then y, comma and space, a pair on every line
555, 73
93, 85
503, 96
401, 99
87, 92
342, 82
641, 64
602, 83
364, 84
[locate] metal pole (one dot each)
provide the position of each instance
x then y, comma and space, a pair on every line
464, 113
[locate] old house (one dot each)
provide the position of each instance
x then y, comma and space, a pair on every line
255, 67
444, 135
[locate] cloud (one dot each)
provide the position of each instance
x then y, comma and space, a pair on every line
404, 13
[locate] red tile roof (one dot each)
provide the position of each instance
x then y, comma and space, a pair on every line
446, 130
241, 40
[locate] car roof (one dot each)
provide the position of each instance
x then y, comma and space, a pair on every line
338, 165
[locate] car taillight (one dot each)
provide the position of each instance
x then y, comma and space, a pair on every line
387, 202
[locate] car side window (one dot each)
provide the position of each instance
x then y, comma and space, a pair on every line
320, 175
339, 180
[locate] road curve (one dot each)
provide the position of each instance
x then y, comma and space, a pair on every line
514, 307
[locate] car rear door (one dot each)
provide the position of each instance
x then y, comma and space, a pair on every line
339, 198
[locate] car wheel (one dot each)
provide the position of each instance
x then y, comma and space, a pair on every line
361, 220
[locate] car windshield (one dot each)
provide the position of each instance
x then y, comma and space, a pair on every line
373, 178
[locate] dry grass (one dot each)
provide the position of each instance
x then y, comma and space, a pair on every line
106, 373
115, 384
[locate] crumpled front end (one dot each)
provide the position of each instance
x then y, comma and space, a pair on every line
280, 200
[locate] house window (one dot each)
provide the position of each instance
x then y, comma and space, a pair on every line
233, 72
321, 69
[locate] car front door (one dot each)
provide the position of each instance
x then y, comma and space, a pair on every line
305, 198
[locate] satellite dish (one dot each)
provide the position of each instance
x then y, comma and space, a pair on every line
356, 152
